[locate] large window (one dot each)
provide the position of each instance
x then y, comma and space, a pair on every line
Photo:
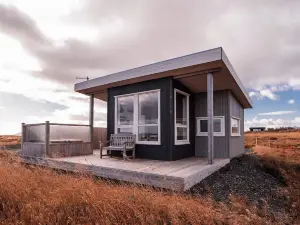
125, 110
218, 126
181, 115
235, 126
139, 113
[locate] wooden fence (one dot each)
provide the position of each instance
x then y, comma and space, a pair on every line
99, 135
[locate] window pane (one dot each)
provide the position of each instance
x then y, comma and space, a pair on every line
148, 108
234, 126
203, 126
181, 109
125, 130
148, 133
125, 110
217, 125
181, 133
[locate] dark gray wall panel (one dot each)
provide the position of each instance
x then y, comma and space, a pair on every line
236, 142
221, 144
158, 152
186, 150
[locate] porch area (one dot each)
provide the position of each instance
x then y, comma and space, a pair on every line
177, 175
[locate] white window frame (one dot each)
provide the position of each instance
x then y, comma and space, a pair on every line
136, 124
222, 133
239, 122
182, 142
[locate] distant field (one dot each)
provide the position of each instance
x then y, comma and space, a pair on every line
10, 141
279, 144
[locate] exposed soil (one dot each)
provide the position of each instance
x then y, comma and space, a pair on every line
246, 177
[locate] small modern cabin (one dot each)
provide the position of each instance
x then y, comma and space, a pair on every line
182, 107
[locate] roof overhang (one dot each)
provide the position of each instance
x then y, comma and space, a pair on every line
191, 70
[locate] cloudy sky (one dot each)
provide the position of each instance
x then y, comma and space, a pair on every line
45, 45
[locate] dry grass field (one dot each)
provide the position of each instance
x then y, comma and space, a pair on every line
35, 195
281, 145
8, 140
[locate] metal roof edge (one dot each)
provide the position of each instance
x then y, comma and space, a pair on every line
235, 76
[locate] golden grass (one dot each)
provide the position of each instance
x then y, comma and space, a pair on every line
35, 195
6, 140
32, 195
283, 146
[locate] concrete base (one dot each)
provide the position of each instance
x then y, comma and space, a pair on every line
178, 175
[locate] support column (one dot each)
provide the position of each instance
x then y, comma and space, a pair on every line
91, 117
210, 116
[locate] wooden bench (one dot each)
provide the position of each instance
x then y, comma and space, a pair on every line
119, 142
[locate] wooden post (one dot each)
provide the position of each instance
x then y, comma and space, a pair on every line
23, 135
210, 117
47, 137
256, 141
91, 120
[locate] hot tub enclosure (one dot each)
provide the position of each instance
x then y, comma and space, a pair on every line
59, 140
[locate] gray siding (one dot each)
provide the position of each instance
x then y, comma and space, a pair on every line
236, 142
221, 144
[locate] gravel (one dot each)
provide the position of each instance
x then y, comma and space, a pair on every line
245, 177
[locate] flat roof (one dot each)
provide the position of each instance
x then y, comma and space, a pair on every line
190, 70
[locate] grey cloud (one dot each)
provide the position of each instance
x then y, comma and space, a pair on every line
19, 25
259, 37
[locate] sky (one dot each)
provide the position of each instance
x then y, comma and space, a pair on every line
45, 45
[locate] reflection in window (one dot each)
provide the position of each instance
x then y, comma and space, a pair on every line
148, 133
181, 133
125, 110
181, 117
148, 108
181, 109
218, 126
235, 126
203, 125
139, 114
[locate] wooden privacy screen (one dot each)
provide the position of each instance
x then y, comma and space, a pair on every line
99, 135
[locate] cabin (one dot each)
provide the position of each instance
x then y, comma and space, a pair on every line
178, 108
185, 115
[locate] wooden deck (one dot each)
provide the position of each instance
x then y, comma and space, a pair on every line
177, 175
